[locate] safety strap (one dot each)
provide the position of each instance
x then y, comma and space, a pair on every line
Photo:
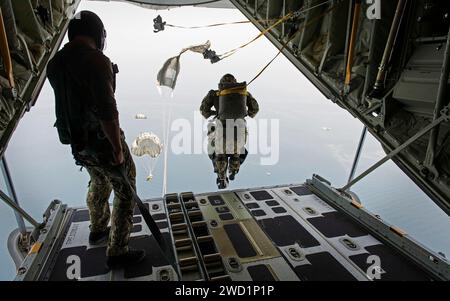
234, 90
164, 245
65, 101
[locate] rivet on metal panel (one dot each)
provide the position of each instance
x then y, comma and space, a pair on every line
164, 275
234, 265
349, 244
310, 211
295, 254
434, 260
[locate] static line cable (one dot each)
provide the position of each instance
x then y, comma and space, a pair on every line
159, 24
219, 24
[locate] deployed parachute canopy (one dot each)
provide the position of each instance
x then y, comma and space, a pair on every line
168, 74
140, 116
147, 144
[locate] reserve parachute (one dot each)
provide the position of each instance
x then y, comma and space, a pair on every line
147, 144
233, 101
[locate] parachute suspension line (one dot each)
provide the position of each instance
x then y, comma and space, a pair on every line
147, 170
303, 26
166, 135
164, 125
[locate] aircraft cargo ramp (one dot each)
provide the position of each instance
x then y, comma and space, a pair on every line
292, 232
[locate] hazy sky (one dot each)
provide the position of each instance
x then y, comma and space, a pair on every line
44, 170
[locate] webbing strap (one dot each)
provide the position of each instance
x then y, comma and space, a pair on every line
235, 90
164, 245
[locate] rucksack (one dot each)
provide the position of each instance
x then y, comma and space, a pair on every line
71, 121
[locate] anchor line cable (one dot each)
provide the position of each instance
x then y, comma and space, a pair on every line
218, 24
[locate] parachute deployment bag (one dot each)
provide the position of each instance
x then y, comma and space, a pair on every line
233, 101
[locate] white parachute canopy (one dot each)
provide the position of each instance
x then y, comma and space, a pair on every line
140, 116
147, 144
168, 74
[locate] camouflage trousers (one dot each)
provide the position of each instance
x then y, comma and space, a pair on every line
103, 181
230, 153
232, 163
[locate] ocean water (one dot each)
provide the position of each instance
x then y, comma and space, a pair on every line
314, 135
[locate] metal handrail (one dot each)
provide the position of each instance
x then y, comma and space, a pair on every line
18, 209
12, 193
444, 117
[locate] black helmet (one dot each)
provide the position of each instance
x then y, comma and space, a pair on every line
227, 79
87, 23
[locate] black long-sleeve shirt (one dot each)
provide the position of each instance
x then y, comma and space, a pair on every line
90, 76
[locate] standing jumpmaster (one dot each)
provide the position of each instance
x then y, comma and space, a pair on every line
83, 79
227, 131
